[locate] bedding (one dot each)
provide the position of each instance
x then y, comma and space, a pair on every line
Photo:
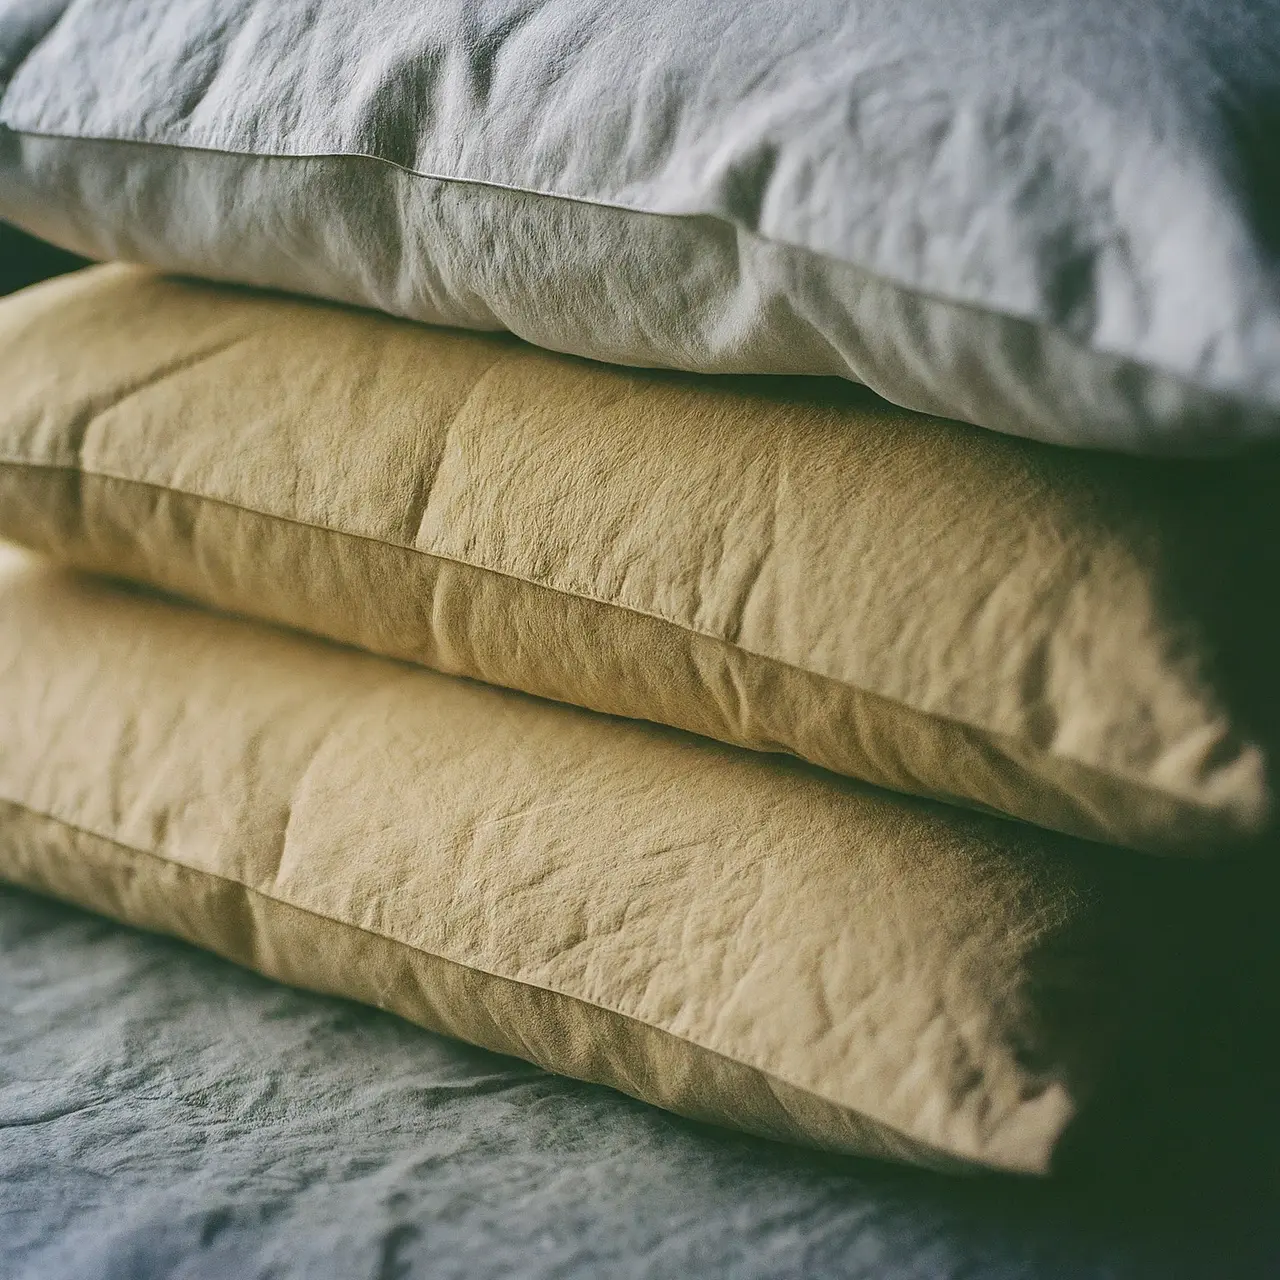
733, 937
1055, 218
931, 608
165, 1114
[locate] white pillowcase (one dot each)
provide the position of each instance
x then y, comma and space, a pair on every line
1055, 218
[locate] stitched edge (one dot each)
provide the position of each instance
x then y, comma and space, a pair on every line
1238, 401
1008, 746
767, 1074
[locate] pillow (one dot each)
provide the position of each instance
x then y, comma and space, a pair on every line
741, 939
1058, 636
1055, 218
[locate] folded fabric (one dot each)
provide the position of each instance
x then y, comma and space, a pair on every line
1055, 218
739, 938
1057, 636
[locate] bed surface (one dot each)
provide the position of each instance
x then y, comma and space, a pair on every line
165, 1114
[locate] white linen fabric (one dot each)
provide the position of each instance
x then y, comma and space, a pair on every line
1057, 218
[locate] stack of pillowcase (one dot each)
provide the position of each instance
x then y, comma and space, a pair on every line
732, 736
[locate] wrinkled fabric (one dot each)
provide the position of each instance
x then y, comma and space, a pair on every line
163, 1114
1055, 218
730, 936
23, 24
1077, 641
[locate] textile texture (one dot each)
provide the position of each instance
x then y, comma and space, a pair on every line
1056, 219
1078, 640
165, 1114
727, 935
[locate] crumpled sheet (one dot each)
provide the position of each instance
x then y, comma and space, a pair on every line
165, 1114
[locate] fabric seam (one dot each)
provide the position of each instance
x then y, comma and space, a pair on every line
1234, 398
1005, 743
590, 1002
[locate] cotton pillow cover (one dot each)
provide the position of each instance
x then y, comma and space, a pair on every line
1056, 218
1058, 636
738, 938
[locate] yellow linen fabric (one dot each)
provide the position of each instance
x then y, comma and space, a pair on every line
779, 564
738, 937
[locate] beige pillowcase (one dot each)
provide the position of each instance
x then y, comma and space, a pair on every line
737, 937
788, 566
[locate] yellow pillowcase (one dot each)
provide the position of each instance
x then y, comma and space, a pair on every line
737, 937
1068, 638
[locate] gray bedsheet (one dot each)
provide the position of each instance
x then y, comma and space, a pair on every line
165, 1114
